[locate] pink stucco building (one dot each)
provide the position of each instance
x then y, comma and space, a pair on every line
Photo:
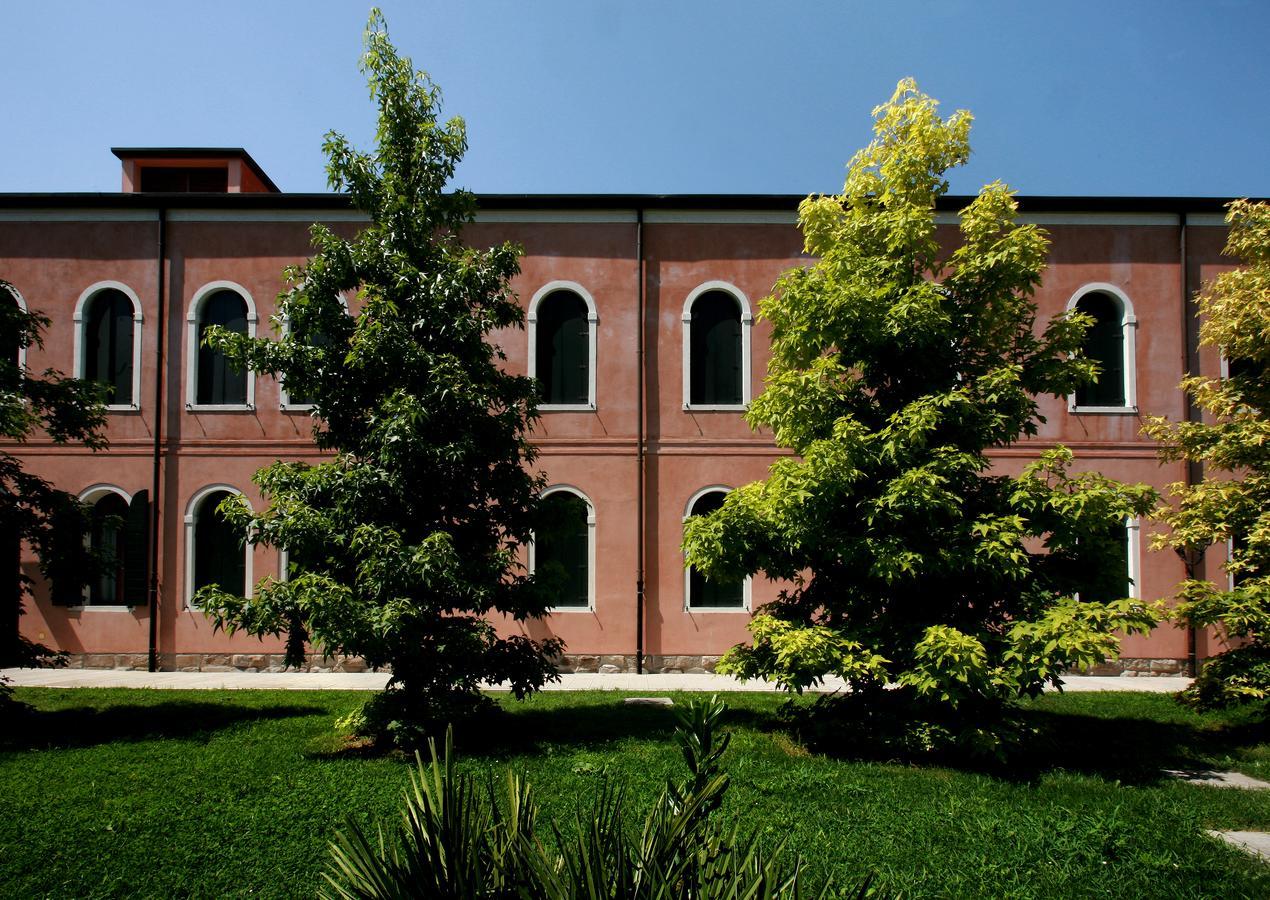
630, 302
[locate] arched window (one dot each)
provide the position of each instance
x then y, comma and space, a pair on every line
12, 347
562, 337
214, 383
1120, 578
215, 552
108, 341
701, 593
716, 324
118, 534
292, 396
1109, 343
563, 550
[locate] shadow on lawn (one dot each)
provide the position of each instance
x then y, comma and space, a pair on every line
86, 726
1130, 749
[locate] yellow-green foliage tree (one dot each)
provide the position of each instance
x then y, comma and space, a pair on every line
1232, 503
897, 363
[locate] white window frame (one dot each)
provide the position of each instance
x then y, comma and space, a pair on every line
284, 399
593, 327
17, 298
590, 548
747, 323
1129, 330
191, 348
747, 585
191, 520
81, 345
92, 495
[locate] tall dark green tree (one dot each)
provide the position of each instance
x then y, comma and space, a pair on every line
897, 364
408, 537
51, 521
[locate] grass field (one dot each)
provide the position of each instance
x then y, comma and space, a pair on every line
236, 793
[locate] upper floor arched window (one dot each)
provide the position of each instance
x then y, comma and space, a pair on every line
1110, 342
108, 338
562, 338
716, 348
701, 593
214, 383
12, 347
564, 547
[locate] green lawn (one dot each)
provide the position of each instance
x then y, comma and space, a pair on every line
167, 794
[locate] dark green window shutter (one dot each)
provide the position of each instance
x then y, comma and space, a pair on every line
219, 555
218, 382
1104, 343
136, 556
703, 593
563, 349
714, 355
108, 345
562, 548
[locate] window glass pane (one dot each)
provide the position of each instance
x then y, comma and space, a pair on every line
563, 349
715, 351
219, 555
108, 344
107, 537
703, 593
1104, 343
218, 382
1112, 581
562, 548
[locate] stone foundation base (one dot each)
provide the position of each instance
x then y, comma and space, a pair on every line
215, 662
1133, 667
604, 664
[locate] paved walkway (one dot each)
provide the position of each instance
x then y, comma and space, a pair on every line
373, 681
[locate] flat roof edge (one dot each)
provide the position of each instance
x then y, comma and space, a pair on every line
948, 203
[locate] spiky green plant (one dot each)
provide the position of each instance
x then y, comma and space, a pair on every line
456, 841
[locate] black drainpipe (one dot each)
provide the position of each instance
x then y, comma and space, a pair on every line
639, 447
160, 328
1193, 558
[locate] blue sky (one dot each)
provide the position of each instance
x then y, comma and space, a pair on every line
595, 96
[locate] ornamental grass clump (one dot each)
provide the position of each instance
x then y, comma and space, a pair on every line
457, 840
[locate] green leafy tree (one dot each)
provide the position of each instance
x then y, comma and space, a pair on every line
52, 522
1232, 503
897, 363
407, 538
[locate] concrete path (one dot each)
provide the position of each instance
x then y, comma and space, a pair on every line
1256, 843
373, 681
1214, 778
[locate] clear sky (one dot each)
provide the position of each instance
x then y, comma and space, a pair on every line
1157, 97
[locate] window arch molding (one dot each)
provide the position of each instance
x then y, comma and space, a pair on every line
92, 495
590, 546
191, 523
593, 327
1129, 329
747, 324
21, 302
746, 586
191, 346
285, 402
81, 342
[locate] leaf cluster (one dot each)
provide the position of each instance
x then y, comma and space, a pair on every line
899, 360
1232, 442
409, 534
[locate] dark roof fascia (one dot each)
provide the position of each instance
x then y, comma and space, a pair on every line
250, 201
196, 153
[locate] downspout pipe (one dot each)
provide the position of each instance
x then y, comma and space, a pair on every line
640, 511
160, 329
1194, 557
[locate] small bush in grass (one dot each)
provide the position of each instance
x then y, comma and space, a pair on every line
457, 841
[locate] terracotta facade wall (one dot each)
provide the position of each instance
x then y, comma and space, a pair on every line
53, 258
